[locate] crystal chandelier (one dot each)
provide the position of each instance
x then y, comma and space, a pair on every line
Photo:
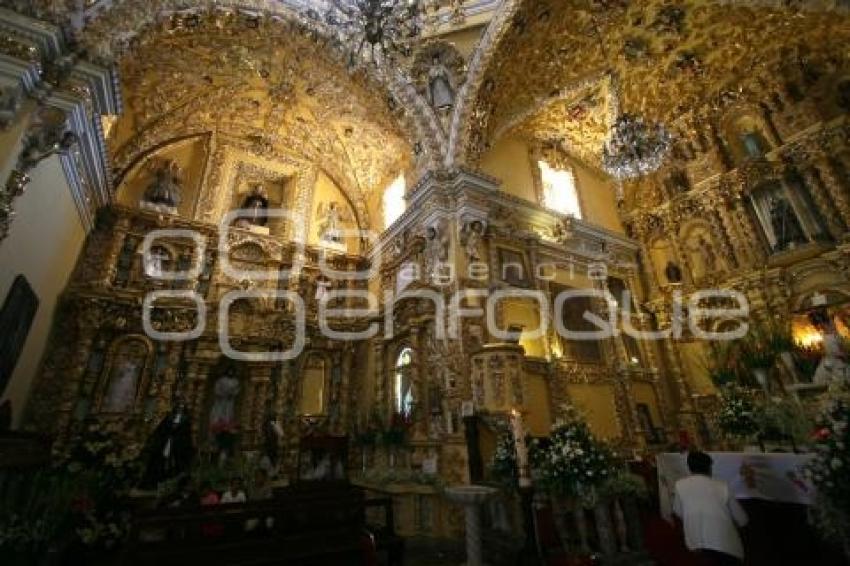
374, 30
635, 147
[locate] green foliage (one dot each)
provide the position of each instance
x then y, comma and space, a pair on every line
80, 496
503, 468
830, 468
736, 416
782, 417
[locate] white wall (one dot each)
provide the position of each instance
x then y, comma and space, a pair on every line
43, 245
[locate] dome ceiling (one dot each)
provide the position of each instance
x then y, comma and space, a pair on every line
669, 57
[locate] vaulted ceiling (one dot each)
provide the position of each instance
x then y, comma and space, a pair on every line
548, 74
554, 71
260, 82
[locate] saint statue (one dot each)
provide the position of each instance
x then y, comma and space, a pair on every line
785, 224
833, 366
705, 254
157, 261
329, 224
122, 387
256, 205
225, 391
474, 233
169, 449
441, 93
673, 273
272, 433
166, 187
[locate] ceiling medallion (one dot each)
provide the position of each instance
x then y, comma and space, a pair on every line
374, 30
635, 148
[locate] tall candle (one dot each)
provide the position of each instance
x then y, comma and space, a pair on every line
519, 440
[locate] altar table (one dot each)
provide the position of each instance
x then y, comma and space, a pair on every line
772, 477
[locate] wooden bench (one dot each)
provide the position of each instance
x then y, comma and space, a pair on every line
318, 525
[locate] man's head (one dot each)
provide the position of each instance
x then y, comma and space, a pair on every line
700, 463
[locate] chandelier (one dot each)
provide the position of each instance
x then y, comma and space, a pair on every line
635, 147
374, 30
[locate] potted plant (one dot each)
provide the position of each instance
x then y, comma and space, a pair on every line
736, 414
829, 470
573, 465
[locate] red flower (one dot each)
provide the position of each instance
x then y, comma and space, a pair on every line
822, 433
82, 505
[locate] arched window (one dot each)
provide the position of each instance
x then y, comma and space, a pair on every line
394, 204
402, 383
559, 190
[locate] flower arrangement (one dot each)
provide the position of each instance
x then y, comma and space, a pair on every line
503, 468
781, 418
572, 462
830, 468
79, 500
736, 415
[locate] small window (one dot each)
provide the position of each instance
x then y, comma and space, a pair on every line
394, 205
559, 190
754, 145
403, 384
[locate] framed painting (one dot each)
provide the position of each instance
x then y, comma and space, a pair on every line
16, 318
513, 269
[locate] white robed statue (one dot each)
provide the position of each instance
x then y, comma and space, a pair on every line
833, 366
223, 412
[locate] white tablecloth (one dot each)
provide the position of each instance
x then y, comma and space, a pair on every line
775, 477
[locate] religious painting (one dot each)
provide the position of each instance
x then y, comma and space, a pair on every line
16, 318
124, 379
702, 252
573, 318
513, 269
781, 215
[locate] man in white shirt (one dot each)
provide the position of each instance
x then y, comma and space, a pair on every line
710, 514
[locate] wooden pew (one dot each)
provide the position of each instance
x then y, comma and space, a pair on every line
301, 526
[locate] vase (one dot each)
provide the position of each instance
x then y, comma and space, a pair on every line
561, 507
605, 530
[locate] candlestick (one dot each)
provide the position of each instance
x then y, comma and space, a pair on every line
519, 441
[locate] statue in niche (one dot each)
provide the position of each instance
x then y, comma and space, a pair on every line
157, 262
169, 449
222, 420
472, 234
706, 257
437, 248
323, 287
785, 224
833, 366
673, 273
122, 386
331, 217
441, 92
256, 206
167, 186
225, 391
272, 433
